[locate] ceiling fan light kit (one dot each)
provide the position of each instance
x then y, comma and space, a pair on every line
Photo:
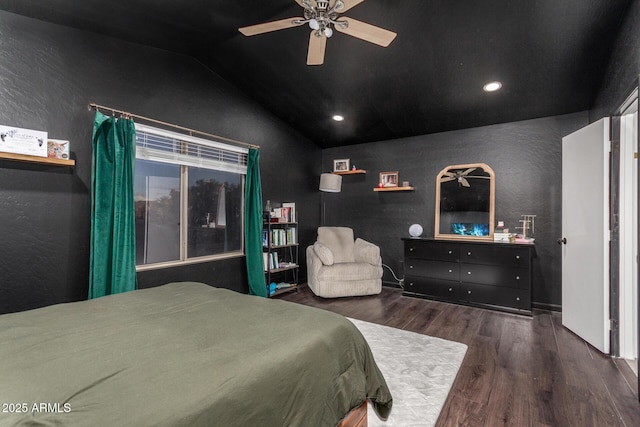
323, 18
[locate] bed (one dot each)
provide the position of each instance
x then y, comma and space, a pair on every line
184, 354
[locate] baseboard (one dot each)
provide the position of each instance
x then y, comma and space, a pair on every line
548, 307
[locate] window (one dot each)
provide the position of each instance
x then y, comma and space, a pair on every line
189, 198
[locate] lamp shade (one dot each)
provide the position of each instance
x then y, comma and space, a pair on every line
330, 182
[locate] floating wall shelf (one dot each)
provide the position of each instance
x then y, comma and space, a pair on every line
393, 189
37, 159
351, 172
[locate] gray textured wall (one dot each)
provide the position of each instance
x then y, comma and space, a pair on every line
622, 72
48, 75
525, 156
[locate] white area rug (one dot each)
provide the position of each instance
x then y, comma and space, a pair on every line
419, 370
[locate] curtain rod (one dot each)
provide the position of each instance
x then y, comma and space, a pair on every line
126, 114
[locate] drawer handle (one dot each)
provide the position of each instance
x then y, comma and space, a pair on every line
517, 298
468, 272
411, 266
469, 253
517, 256
468, 292
410, 249
517, 277
450, 252
450, 271
450, 289
410, 283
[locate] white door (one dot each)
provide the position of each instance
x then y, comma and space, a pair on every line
585, 232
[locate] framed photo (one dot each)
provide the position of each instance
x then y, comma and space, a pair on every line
341, 165
389, 179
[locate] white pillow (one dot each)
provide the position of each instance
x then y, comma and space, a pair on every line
324, 253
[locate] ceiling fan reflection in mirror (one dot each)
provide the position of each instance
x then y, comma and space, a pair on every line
323, 17
461, 176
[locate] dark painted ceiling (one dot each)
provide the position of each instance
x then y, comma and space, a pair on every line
550, 55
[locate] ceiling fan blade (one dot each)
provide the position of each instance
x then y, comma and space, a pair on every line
366, 32
468, 171
464, 182
266, 27
317, 45
447, 179
348, 4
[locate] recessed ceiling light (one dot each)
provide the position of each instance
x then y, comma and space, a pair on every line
338, 118
492, 86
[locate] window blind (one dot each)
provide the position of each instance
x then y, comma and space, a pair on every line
165, 146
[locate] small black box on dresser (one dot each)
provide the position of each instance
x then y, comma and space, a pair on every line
479, 273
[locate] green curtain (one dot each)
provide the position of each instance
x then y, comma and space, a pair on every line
253, 225
113, 235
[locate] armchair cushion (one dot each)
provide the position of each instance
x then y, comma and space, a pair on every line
324, 253
366, 252
349, 271
339, 240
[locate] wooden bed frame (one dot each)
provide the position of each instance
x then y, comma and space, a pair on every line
356, 418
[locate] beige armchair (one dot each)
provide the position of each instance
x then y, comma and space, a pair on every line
338, 266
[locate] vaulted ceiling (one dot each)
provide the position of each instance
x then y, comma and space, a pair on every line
550, 56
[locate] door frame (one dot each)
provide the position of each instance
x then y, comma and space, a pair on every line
614, 270
628, 222
638, 241
623, 106
614, 240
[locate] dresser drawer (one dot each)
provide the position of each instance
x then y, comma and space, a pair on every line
495, 275
436, 251
433, 269
444, 289
497, 296
495, 254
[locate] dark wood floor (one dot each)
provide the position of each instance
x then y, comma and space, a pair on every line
518, 371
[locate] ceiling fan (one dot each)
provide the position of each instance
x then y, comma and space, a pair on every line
460, 176
323, 17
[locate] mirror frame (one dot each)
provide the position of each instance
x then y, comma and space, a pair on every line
492, 192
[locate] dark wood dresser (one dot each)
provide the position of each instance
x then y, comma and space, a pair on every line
482, 274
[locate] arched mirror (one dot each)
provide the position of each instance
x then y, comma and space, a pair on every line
465, 199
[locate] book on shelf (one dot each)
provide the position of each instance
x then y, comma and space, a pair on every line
270, 260
285, 214
292, 237
292, 211
280, 237
275, 237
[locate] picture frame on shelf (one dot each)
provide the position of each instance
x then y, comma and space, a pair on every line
341, 165
389, 179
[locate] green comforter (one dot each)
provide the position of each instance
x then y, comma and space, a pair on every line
184, 354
